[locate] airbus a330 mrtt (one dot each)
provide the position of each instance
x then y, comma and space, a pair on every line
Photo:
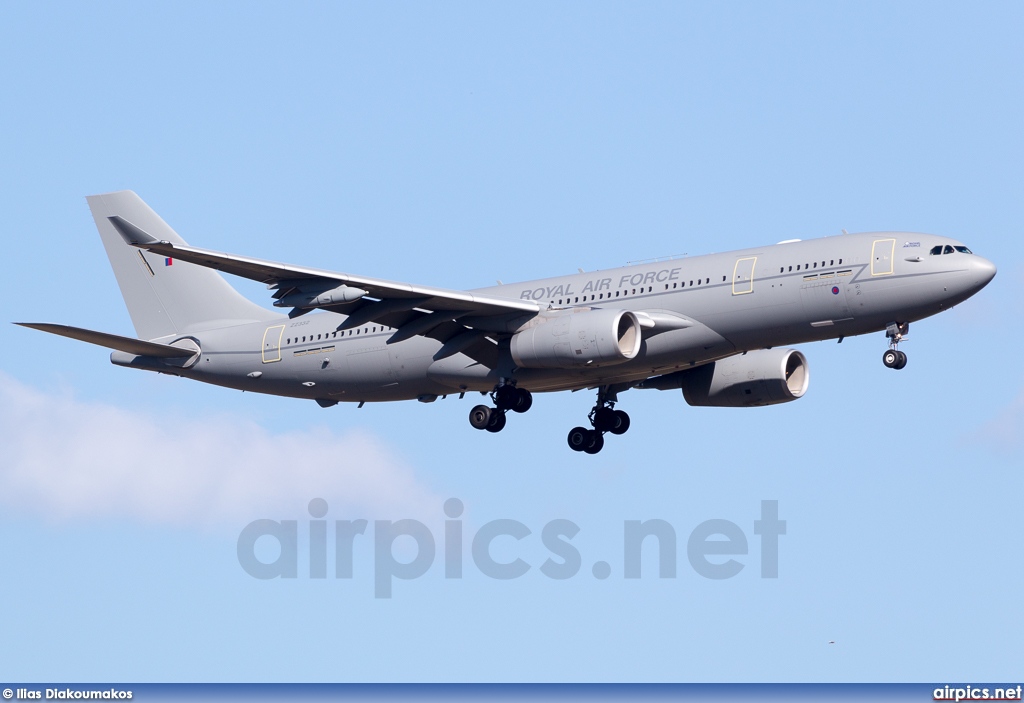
713, 326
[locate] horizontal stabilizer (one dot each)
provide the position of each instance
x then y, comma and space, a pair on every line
113, 341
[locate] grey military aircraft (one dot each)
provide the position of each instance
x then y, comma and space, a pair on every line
712, 326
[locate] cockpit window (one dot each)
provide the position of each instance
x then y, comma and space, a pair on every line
936, 251
964, 250
947, 249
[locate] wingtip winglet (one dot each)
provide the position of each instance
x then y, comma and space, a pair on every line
130, 233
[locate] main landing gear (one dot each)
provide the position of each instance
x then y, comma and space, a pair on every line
893, 358
505, 397
604, 418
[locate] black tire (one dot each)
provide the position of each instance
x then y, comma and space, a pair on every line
621, 422
901, 362
524, 400
604, 419
890, 358
496, 422
480, 416
595, 443
505, 397
578, 438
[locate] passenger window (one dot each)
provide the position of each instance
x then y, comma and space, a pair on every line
840, 262
832, 262
798, 267
947, 249
790, 268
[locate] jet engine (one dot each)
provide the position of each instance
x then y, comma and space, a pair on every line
763, 377
590, 338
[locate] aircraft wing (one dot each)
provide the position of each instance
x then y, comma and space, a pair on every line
275, 274
411, 309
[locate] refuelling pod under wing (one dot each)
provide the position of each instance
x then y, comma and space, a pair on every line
571, 339
763, 377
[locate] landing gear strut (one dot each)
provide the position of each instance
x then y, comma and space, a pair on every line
893, 358
604, 418
505, 397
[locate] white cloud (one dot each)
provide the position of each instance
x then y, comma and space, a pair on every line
67, 459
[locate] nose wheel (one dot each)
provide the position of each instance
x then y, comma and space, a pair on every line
604, 418
505, 397
893, 358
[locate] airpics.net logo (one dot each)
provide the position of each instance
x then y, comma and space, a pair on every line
269, 549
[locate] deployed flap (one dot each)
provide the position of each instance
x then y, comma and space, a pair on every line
113, 341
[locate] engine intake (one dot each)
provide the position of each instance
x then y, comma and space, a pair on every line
763, 377
585, 338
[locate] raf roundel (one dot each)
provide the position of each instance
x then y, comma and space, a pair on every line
835, 290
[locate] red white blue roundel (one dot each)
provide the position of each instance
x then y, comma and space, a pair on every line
835, 290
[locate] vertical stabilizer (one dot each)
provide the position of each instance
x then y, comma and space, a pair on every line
165, 296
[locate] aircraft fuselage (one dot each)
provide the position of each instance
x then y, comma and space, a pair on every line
757, 298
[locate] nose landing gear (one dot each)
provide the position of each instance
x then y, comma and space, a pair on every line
604, 418
893, 358
505, 397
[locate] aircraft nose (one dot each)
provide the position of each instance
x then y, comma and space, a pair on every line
983, 271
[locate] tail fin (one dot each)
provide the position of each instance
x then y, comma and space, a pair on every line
165, 296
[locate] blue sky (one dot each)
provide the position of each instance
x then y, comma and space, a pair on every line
452, 145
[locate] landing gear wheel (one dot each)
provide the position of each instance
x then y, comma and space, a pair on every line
890, 358
505, 397
901, 362
523, 400
595, 442
578, 438
496, 423
605, 420
621, 422
480, 417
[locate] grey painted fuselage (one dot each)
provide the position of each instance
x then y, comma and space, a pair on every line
737, 301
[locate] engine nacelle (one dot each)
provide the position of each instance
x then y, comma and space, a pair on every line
763, 377
590, 338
